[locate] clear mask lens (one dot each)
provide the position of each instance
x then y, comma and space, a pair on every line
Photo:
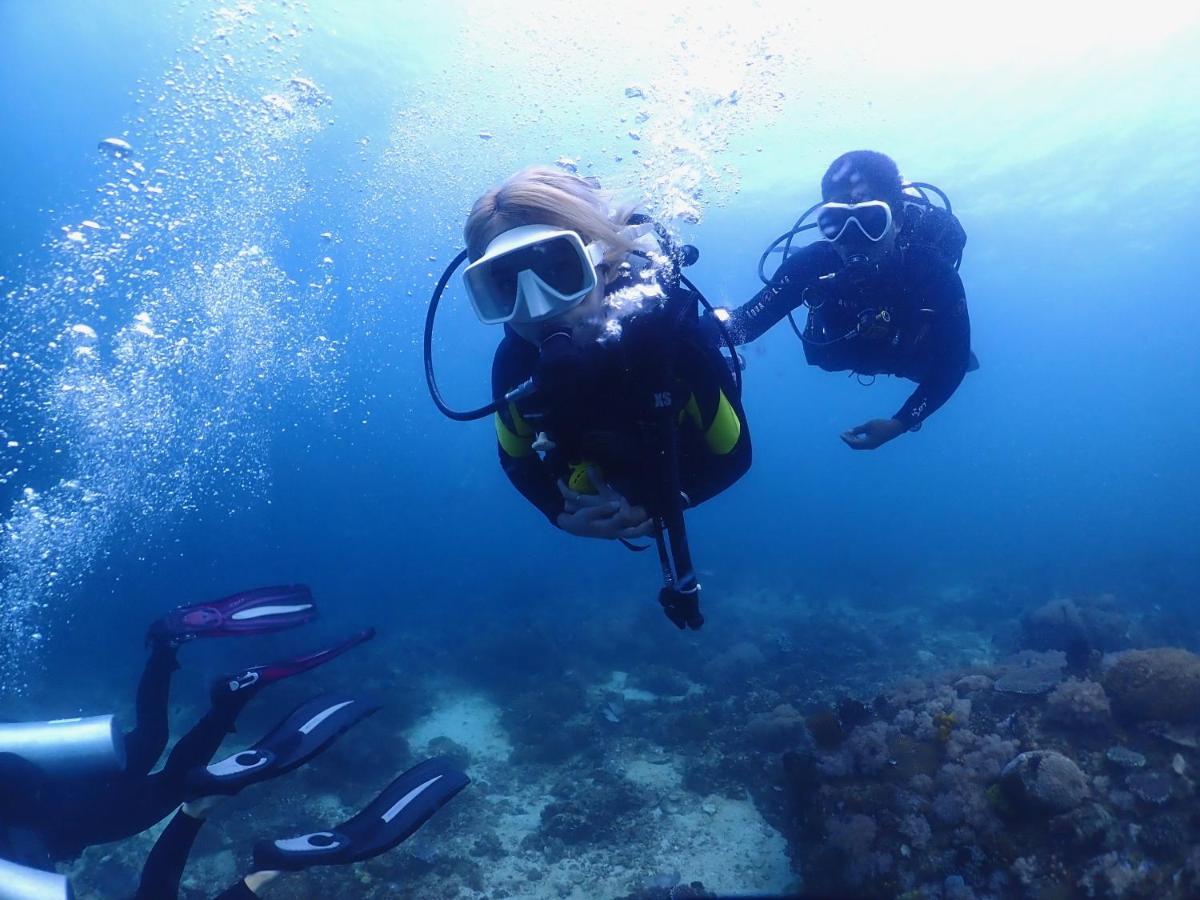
556, 262
532, 281
840, 221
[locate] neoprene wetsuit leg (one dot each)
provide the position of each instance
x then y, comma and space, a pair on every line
307, 731
100, 811
148, 739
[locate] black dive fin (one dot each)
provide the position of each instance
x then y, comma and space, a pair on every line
310, 729
394, 816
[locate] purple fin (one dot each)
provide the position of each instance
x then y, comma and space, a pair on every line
259, 611
261, 676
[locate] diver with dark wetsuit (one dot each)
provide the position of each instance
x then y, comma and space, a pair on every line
69, 784
882, 291
63, 812
615, 411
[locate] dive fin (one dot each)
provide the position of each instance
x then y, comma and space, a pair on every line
259, 611
261, 676
973, 362
395, 815
309, 730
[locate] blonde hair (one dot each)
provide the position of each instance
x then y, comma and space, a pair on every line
544, 195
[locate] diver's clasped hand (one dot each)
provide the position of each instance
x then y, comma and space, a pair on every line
873, 434
604, 514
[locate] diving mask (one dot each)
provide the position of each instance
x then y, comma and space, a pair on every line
872, 220
532, 273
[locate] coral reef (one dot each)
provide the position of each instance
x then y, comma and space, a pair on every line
1159, 684
786, 751
776, 729
1004, 780
1124, 758
1070, 626
1078, 703
1031, 672
1042, 782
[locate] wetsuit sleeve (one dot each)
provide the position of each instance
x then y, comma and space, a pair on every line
528, 473
949, 350
721, 454
165, 865
145, 744
786, 291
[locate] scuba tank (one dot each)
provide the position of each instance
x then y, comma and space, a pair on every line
19, 882
67, 746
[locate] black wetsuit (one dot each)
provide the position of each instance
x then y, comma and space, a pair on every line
605, 408
165, 865
74, 813
908, 319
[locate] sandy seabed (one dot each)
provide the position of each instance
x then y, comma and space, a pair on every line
722, 842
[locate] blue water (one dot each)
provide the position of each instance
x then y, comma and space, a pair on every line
267, 419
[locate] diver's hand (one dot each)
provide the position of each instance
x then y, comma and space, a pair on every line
605, 514
873, 434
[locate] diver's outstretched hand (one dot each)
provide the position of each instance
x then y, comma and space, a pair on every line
604, 514
873, 434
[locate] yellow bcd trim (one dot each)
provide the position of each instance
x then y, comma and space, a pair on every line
518, 443
722, 435
726, 428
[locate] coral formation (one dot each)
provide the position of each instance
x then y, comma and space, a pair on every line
1068, 626
1030, 672
1030, 788
1078, 703
776, 729
997, 777
1150, 787
1042, 782
1159, 684
1124, 758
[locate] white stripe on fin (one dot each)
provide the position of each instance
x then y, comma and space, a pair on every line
258, 612
407, 799
320, 717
